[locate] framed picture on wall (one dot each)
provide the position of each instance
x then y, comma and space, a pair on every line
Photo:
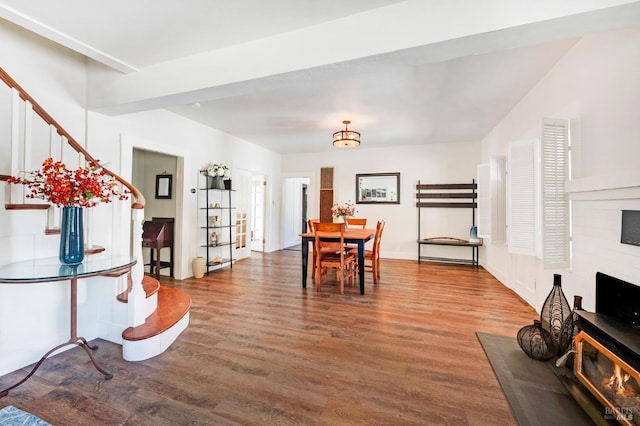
378, 188
163, 186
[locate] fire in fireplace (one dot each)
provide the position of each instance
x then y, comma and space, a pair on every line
615, 383
608, 352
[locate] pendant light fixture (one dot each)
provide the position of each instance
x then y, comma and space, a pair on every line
346, 138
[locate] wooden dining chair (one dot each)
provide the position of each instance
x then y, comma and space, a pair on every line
373, 256
324, 247
341, 261
357, 222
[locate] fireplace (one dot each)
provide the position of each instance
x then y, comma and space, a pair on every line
610, 379
607, 348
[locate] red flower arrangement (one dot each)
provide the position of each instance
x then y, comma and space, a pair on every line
84, 187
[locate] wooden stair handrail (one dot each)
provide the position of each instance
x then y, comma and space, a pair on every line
139, 200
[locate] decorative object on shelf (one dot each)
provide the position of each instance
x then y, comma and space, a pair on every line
555, 310
568, 333
214, 221
72, 190
346, 138
216, 173
473, 235
214, 239
536, 342
227, 184
216, 182
199, 266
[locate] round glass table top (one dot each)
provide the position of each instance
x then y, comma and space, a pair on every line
50, 268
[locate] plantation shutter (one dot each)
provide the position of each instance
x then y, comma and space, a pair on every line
522, 197
555, 202
498, 168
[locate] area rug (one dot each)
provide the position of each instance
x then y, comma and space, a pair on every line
12, 416
534, 392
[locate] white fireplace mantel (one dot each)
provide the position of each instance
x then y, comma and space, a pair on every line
615, 186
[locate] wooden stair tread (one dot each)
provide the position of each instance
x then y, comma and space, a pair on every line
32, 206
150, 285
93, 250
173, 305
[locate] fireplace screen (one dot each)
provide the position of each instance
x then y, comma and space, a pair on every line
609, 378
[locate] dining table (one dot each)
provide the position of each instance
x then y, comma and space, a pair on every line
357, 236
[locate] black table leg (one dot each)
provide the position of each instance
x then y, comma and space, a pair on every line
305, 259
361, 264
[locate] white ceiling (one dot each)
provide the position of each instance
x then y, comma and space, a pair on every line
451, 90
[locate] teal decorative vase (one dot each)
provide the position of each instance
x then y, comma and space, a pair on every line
71, 236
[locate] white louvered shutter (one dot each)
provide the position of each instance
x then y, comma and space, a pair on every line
522, 197
555, 202
498, 169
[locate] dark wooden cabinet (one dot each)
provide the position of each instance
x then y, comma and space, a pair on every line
156, 235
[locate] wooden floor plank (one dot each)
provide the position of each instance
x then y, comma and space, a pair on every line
260, 350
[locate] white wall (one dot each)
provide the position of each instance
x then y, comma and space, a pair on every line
436, 163
35, 318
597, 86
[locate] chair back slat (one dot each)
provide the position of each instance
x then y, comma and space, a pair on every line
360, 222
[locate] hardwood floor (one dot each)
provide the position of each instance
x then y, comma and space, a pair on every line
260, 350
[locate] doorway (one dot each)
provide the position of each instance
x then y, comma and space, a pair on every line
305, 211
258, 212
294, 211
147, 165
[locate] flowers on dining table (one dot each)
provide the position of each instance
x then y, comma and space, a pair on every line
84, 187
343, 210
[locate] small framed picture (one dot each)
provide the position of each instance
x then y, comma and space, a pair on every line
163, 186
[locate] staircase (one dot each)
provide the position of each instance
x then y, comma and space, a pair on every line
155, 315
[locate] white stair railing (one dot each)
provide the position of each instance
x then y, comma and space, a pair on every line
59, 142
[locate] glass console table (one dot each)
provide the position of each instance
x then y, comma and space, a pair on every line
50, 269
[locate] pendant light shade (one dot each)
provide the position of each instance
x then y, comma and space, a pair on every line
346, 138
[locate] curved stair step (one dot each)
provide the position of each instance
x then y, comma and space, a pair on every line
173, 305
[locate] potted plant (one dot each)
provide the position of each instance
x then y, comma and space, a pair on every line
216, 173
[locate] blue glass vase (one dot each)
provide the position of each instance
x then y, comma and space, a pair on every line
71, 236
